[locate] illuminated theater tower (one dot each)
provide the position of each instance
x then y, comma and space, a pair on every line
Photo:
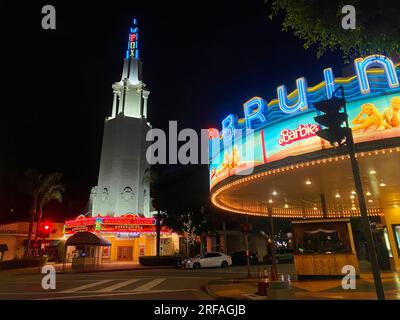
122, 185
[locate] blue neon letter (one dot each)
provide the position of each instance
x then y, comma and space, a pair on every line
229, 124
362, 64
301, 104
329, 82
254, 110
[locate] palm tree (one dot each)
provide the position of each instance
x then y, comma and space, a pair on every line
45, 188
33, 184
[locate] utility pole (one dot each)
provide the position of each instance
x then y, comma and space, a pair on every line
274, 270
323, 206
158, 233
380, 293
337, 135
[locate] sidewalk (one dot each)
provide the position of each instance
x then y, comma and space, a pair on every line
289, 288
115, 266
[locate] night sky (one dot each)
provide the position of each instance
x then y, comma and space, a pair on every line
201, 61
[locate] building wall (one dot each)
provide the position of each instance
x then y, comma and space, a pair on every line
392, 217
146, 242
14, 244
121, 186
15, 234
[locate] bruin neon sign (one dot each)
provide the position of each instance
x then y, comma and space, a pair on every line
133, 38
255, 109
301, 133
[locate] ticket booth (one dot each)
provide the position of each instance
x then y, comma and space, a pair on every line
88, 250
323, 247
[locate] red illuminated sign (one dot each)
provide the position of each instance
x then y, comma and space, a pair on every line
80, 222
126, 223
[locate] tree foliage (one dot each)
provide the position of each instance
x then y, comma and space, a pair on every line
189, 222
43, 189
318, 23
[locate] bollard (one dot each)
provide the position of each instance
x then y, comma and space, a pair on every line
263, 286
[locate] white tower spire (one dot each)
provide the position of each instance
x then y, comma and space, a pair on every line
122, 187
130, 95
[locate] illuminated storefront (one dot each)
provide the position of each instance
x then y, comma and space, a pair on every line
272, 158
13, 237
130, 236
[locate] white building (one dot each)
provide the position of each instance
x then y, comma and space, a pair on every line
123, 186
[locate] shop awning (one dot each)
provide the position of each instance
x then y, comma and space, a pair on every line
87, 239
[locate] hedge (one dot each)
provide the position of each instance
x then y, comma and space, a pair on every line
18, 264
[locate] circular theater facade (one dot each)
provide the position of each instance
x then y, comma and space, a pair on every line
272, 162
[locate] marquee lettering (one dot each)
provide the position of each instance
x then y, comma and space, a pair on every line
301, 133
256, 109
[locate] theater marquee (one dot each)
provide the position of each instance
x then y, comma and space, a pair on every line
285, 127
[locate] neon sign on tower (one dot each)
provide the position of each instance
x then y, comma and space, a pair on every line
133, 38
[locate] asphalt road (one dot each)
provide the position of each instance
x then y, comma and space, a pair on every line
156, 284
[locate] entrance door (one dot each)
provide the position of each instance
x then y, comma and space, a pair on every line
124, 253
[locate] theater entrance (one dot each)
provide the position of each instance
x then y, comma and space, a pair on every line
125, 253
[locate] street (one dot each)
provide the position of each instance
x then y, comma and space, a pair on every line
155, 284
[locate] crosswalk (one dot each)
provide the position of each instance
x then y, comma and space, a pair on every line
117, 285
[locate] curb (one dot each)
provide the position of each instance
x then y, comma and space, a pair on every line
207, 289
110, 270
244, 296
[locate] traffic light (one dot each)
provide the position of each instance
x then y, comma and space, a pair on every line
332, 121
44, 231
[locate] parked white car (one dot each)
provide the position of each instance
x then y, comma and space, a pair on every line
208, 260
